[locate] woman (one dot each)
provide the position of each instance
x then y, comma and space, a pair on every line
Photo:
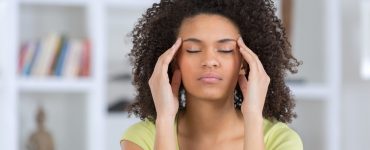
210, 90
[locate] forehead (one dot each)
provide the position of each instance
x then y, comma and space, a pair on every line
208, 26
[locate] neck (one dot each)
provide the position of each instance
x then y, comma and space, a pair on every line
205, 118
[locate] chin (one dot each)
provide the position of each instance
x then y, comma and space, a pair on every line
209, 94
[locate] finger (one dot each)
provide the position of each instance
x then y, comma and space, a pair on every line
246, 47
244, 50
169, 54
162, 65
175, 83
259, 63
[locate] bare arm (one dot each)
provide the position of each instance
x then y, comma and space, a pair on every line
253, 132
254, 91
165, 96
127, 145
165, 138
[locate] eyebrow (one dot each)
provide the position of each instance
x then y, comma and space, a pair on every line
195, 40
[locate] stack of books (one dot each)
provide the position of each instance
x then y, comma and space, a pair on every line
55, 55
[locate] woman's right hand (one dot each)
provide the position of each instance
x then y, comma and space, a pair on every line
165, 95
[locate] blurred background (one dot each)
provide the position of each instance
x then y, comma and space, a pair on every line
64, 68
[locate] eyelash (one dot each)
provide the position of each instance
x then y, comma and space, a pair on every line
226, 51
222, 51
192, 51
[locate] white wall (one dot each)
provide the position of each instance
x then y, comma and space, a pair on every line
356, 92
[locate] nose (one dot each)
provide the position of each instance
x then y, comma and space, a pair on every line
210, 59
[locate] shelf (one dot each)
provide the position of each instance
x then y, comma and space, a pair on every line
54, 85
310, 91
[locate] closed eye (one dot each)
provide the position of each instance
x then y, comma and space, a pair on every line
192, 51
225, 51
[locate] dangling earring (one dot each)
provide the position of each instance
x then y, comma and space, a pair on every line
182, 98
235, 99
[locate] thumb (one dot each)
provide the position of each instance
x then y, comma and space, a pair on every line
175, 83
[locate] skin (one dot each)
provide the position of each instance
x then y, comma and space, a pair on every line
210, 120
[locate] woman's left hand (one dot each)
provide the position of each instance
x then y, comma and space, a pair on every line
254, 89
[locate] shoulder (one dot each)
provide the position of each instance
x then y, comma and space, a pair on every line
278, 136
141, 133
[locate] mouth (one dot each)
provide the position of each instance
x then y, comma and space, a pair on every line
210, 78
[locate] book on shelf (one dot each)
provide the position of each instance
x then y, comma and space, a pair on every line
55, 55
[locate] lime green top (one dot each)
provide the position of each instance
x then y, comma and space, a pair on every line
277, 136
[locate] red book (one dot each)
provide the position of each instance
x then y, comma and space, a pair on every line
85, 59
22, 57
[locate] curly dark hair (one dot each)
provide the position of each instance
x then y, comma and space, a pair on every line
260, 28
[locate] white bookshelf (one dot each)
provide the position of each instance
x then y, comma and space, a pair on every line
82, 126
106, 23
317, 41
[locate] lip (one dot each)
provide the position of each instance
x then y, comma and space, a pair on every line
210, 78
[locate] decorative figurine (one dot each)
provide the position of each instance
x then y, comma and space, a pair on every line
41, 138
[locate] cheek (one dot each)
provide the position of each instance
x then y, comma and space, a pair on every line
232, 69
188, 73
234, 63
187, 67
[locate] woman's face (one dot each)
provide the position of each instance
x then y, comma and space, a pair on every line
209, 59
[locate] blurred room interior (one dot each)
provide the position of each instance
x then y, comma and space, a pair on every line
79, 83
